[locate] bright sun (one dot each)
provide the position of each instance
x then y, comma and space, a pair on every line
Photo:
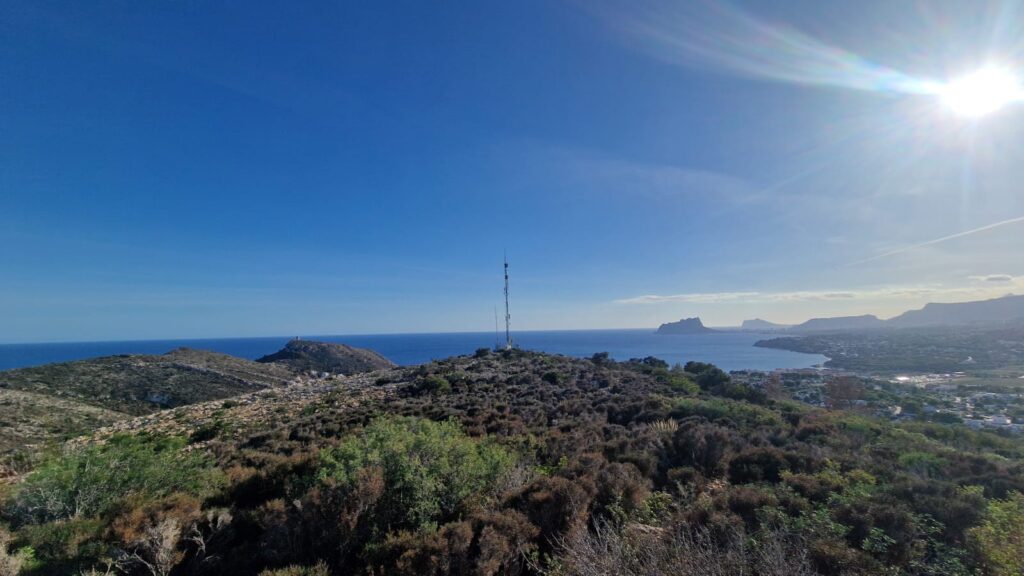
982, 92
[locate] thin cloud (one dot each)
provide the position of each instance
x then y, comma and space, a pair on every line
939, 240
720, 37
708, 298
1000, 278
887, 293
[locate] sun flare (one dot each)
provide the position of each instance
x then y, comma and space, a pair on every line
982, 92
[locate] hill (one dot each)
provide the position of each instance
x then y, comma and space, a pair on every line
867, 321
55, 402
522, 463
684, 326
995, 311
758, 324
309, 356
140, 384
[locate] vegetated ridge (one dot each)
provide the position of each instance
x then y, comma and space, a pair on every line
307, 355
140, 384
525, 464
42, 404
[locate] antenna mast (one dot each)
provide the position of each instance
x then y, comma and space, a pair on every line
508, 317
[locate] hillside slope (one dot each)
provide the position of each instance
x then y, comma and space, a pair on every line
527, 464
28, 419
142, 384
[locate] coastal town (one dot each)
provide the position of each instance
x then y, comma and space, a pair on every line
993, 403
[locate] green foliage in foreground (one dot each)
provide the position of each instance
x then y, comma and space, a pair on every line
1000, 537
94, 480
428, 469
318, 570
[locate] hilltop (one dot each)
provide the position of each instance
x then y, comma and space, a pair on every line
309, 356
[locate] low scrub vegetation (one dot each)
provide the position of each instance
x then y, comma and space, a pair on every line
530, 464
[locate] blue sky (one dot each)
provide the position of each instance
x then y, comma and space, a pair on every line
189, 169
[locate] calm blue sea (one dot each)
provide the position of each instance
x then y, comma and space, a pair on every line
729, 350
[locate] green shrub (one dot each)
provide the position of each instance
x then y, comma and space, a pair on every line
429, 469
208, 431
741, 413
683, 384
13, 562
66, 546
318, 570
999, 539
552, 377
93, 480
434, 383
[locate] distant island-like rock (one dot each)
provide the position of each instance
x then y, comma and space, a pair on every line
307, 355
684, 326
758, 324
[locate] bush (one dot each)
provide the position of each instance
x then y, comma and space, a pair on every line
681, 383
12, 563
93, 480
318, 570
66, 546
434, 383
552, 377
757, 465
999, 539
429, 470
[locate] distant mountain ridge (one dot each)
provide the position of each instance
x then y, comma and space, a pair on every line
1009, 308
994, 311
684, 326
864, 322
759, 324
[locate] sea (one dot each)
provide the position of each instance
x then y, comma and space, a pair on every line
728, 350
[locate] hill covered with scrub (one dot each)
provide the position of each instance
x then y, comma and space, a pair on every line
520, 463
56, 402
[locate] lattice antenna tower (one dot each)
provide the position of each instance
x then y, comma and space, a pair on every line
508, 317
